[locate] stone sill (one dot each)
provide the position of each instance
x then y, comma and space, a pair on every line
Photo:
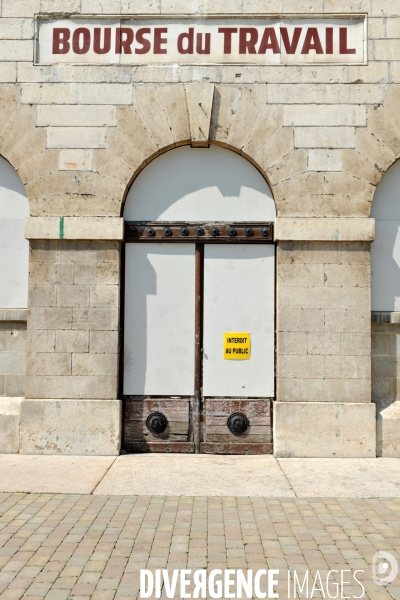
14, 315
325, 230
74, 228
385, 317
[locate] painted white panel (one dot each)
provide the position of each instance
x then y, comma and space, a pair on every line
159, 319
14, 248
239, 296
386, 204
385, 250
200, 184
14, 258
385, 267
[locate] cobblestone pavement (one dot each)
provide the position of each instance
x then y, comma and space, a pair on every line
56, 546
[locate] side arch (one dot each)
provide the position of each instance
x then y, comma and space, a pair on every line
14, 248
377, 147
385, 250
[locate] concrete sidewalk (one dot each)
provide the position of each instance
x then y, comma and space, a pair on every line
201, 475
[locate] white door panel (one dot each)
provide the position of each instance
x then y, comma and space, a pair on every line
385, 266
239, 297
159, 319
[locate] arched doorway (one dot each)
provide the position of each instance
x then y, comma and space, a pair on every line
199, 301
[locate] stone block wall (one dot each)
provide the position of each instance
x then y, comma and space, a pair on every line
12, 358
73, 321
323, 322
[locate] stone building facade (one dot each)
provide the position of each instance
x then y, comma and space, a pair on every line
78, 135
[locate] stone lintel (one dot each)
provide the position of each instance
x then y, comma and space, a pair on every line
325, 230
74, 228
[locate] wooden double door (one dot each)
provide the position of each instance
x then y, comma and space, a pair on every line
198, 360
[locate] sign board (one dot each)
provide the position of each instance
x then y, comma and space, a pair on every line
233, 40
236, 346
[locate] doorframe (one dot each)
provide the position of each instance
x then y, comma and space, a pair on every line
137, 232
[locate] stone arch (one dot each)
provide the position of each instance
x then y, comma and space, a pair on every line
240, 120
377, 145
159, 119
22, 143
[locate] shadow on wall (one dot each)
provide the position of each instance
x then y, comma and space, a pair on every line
200, 184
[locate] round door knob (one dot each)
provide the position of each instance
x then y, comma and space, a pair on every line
133, 231
150, 232
199, 231
167, 231
156, 422
238, 423
214, 231
231, 231
184, 231
265, 231
248, 231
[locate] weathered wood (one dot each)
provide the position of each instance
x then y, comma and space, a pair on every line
198, 346
151, 437
250, 407
219, 439
136, 411
233, 439
138, 232
174, 409
184, 447
253, 434
221, 420
222, 448
254, 429
176, 428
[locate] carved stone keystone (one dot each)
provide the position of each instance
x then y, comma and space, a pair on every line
199, 98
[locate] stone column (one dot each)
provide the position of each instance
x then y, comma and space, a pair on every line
324, 406
72, 404
12, 376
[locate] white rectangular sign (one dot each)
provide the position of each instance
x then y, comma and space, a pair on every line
260, 41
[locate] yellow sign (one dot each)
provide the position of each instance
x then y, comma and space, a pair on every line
236, 346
